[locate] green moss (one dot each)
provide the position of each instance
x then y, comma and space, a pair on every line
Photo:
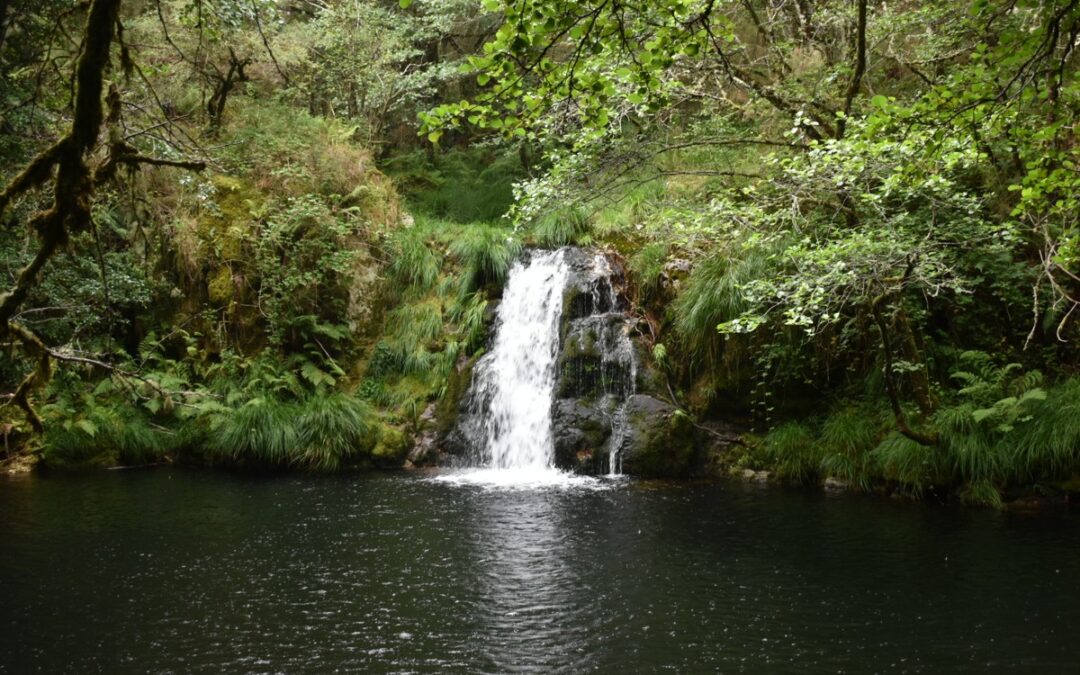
224, 230
669, 449
391, 447
457, 385
220, 287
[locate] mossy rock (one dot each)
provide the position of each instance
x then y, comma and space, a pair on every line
225, 233
660, 440
581, 430
392, 446
448, 408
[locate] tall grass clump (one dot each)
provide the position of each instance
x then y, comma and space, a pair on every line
793, 452
561, 228
971, 451
646, 266
1049, 444
261, 432
485, 254
317, 433
847, 437
469, 313
713, 295
331, 430
412, 331
912, 465
981, 493
414, 264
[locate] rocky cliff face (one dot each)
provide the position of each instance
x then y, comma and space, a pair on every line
597, 367
603, 419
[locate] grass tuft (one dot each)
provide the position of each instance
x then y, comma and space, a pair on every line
485, 254
794, 453
316, 433
562, 228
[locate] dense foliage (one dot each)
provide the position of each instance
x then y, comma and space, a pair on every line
850, 226
875, 201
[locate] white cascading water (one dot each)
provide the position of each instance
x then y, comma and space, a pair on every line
517, 378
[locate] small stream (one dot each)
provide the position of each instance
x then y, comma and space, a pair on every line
178, 571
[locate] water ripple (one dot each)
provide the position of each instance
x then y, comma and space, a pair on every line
183, 572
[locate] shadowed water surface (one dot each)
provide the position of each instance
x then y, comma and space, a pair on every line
180, 571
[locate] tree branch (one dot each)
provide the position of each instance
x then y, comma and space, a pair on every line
860, 68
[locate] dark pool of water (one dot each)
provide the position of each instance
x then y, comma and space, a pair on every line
181, 571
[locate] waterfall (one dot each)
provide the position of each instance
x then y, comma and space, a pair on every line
561, 344
508, 419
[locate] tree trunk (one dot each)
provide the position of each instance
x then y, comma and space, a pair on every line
891, 388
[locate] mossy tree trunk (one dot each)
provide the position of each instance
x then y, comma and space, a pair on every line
74, 182
73, 186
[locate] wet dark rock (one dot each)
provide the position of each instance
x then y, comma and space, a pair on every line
449, 438
659, 440
425, 447
581, 430
589, 365
595, 370
833, 484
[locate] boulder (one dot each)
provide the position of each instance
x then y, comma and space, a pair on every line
659, 441
581, 430
833, 484
391, 447
425, 450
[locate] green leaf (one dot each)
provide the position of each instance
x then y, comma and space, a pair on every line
87, 426
316, 375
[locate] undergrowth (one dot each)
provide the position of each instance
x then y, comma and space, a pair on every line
997, 434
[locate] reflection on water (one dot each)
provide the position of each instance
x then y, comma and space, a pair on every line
523, 584
174, 571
